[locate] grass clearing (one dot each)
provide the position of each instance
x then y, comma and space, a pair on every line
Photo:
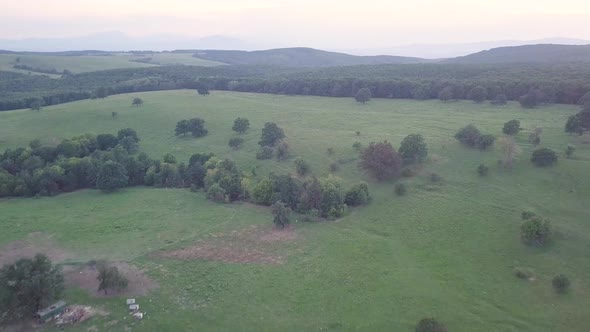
447, 250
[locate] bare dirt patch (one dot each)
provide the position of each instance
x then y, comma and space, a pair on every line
85, 278
254, 244
33, 244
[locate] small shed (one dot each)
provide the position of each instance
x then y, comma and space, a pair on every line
53, 310
130, 301
134, 307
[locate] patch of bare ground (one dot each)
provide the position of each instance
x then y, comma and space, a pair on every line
254, 245
85, 277
33, 244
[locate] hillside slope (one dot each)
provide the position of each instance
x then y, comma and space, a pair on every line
542, 53
300, 57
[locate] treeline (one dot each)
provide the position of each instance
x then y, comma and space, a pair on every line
551, 83
40, 70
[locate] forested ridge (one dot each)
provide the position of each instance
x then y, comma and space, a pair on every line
555, 83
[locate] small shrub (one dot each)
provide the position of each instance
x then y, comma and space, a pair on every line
358, 133
483, 170
536, 232
511, 127
357, 146
216, 193
400, 189
561, 283
544, 157
265, 152
430, 325
357, 195
435, 178
282, 150
330, 151
526, 215
569, 151
301, 166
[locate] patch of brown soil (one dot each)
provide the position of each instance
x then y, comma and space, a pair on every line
253, 244
85, 278
33, 244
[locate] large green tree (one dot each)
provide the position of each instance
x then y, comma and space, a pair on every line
29, 285
478, 94
363, 95
109, 278
111, 176
511, 127
271, 134
241, 125
413, 149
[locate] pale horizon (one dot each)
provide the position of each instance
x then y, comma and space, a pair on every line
328, 24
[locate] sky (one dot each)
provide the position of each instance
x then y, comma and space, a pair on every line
314, 23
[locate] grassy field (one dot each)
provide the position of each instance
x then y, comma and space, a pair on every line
446, 250
80, 64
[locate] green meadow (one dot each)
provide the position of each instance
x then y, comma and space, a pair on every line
87, 63
445, 250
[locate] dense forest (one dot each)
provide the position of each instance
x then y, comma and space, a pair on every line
557, 83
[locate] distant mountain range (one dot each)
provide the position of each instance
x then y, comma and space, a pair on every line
118, 41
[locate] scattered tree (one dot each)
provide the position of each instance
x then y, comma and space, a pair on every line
478, 94
363, 95
485, 141
235, 142
241, 125
271, 134
544, 157
561, 283
109, 278
281, 214
111, 176
137, 102
413, 149
357, 146
381, 160
330, 151
430, 325
28, 285
535, 136
535, 231
358, 133
574, 125
468, 135
511, 127
114, 115
509, 149
301, 166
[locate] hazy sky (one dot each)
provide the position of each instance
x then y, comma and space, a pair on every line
316, 23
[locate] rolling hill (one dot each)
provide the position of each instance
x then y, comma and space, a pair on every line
300, 57
542, 53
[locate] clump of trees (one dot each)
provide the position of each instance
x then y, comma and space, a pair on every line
478, 94
472, 137
357, 195
544, 157
500, 100
363, 95
195, 126
29, 285
511, 127
580, 122
265, 152
111, 176
381, 160
446, 94
224, 182
241, 125
413, 149
110, 278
